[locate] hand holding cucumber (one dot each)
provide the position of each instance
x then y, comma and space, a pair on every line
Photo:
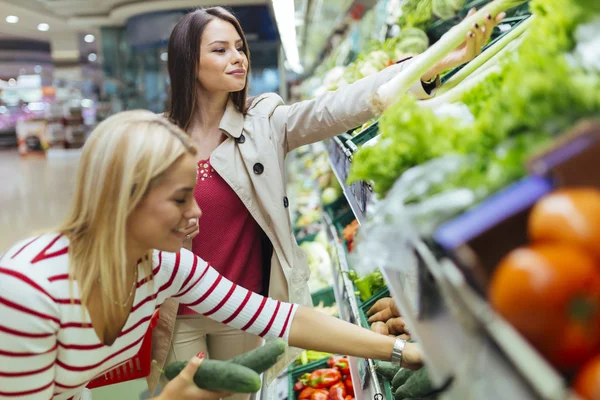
182, 387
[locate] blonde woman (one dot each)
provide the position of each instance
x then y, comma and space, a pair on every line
76, 302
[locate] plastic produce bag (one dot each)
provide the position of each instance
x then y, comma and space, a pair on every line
410, 210
587, 51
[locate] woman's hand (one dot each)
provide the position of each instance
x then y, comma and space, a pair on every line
182, 387
411, 356
476, 39
191, 230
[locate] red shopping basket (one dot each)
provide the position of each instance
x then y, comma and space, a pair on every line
135, 368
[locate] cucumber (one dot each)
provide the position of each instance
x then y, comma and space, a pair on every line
401, 376
387, 370
417, 385
262, 358
221, 376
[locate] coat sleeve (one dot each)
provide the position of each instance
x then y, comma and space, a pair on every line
332, 113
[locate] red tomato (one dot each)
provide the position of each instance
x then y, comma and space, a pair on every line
320, 394
551, 294
587, 384
570, 216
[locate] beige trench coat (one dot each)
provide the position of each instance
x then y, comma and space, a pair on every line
251, 160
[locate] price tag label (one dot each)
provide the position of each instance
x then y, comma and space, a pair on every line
363, 373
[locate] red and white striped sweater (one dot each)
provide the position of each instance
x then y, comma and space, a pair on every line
46, 350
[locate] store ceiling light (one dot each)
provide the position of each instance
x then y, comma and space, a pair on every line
12, 19
12, 82
286, 23
92, 57
89, 38
164, 56
43, 27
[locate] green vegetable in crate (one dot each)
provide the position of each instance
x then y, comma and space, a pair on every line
417, 385
416, 13
308, 356
368, 284
443, 9
219, 376
401, 377
387, 369
364, 288
262, 358
411, 41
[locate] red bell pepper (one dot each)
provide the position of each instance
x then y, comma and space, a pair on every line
320, 394
299, 386
334, 360
337, 391
339, 362
349, 385
344, 366
324, 378
306, 393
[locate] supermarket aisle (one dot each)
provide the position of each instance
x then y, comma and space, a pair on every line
35, 193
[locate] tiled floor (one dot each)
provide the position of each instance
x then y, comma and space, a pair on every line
35, 194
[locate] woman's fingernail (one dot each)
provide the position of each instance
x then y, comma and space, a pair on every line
472, 9
200, 355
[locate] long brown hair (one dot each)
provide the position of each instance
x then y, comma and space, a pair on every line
184, 57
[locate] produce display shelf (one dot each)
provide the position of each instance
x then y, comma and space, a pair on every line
364, 377
348, 193
466, 345
468, 348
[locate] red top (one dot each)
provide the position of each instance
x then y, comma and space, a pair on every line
229, 238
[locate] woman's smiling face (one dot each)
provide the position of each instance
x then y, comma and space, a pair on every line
160, 218
223, 64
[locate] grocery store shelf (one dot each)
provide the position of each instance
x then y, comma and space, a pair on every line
463, 341
364, 378
361, 216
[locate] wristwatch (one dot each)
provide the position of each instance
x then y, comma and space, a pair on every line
399, 345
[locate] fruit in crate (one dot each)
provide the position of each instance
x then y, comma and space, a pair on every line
587, 383
568, 215
329, 195
333, 382
551, 294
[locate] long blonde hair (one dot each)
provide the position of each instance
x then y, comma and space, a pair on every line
121, 160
